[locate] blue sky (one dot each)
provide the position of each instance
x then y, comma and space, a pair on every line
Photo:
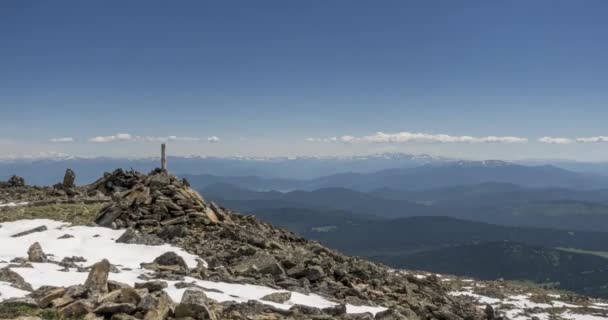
264, 76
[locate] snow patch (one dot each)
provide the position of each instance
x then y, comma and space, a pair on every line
13, 204
97, 243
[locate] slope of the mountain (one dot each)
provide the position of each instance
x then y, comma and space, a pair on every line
327, 198
583, 273
399, 241
307, 222
491, 194
489, 202
160, 209
405, 235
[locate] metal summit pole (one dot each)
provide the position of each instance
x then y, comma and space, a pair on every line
163, 156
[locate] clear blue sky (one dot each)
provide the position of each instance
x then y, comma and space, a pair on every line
263, 76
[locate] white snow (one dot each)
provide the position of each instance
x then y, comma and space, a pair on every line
92, 243
96, 243
13, 204
521, 302
7, 292
575, 316
481, 299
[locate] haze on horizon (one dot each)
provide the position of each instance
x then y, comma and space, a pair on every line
468, 79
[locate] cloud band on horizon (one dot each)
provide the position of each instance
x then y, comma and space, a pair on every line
126, 137
409, 137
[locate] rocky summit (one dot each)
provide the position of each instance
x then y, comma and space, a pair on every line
160, 210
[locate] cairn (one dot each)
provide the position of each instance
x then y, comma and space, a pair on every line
150, 202
13, 182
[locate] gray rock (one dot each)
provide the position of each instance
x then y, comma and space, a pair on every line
152, 286
131, 236
261, 263
69, 179
35, 253
390, 314
97, 281
50, 296
25, 233
194, 305
110, 308
156, 307
17, 281
171, 259
278, 297
76, 309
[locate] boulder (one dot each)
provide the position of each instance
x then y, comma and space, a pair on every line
76, 309
152, 286
25, 233
97, 281
278, 297
156, 307
131, 236
69, 179
194, 305
260, 262
171, 259
390, 314
35, 253
50, 296
110, 308
312, 273
17, 281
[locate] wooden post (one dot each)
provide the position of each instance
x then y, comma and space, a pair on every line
163, 156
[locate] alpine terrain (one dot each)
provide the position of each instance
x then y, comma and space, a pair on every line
136, 246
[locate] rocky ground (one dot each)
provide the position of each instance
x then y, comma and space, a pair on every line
293, 278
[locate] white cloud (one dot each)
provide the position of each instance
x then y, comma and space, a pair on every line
592, 139
116, 137
552, 140
407, 137
165, 139
213, 139
129, 137
62, 140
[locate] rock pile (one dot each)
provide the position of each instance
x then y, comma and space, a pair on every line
99, 298
152, 202
13, 182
